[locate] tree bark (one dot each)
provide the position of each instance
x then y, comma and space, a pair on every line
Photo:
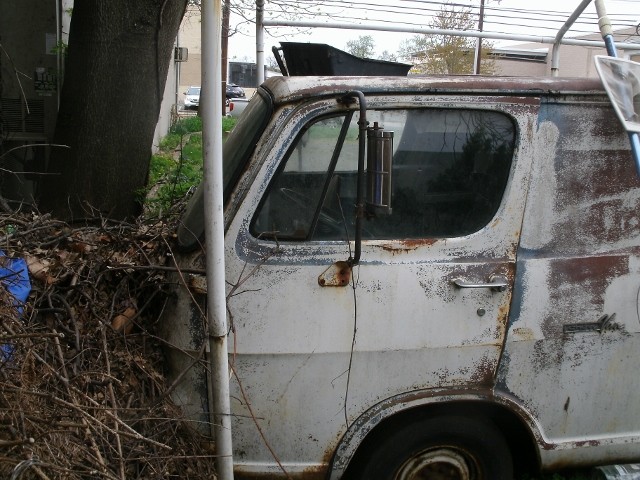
116, 70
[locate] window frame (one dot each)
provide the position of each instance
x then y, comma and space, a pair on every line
407, 107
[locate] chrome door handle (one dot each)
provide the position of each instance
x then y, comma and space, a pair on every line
498, 283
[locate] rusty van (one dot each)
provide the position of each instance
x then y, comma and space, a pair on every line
427, 278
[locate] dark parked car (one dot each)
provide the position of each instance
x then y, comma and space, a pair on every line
234, 91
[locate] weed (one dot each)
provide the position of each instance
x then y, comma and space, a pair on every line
177, 167
187, 125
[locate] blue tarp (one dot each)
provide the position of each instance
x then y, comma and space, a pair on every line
14, 276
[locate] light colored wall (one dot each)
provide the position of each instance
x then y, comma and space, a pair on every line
575, 61
180, 75
189, 37
520, 68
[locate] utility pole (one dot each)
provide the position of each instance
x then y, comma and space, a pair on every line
477, 59
217, 327
224, 42
259, 42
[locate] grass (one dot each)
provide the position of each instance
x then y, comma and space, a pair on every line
177, 167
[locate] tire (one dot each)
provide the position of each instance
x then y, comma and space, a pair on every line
440, 448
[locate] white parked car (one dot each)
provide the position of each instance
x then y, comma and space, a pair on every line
192, 98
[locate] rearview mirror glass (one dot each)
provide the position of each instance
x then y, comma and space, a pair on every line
379, 157
621, 80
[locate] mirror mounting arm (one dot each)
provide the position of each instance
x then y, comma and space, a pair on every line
362, 138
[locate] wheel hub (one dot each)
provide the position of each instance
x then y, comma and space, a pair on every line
437, 464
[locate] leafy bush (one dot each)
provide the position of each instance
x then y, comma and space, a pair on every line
228, 123
187, 125
177, 167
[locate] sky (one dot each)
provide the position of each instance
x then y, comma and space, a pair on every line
523, 17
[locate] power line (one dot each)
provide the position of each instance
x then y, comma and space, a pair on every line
496, 17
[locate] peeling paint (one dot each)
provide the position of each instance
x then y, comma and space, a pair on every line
323, 366
577, 270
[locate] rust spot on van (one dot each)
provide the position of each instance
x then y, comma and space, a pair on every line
594, 271
337, 275
484, 372
578, 287
408, 245
588, 443
523, 334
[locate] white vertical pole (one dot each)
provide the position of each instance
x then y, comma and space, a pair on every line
211, 106
478, 52
260, 41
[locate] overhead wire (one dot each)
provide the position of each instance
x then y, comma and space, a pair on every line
495, 16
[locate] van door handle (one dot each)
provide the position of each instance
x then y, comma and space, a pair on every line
498, 283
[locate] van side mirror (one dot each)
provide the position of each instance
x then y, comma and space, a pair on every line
621, 80
379, 160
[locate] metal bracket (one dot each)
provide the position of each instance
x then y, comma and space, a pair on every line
337, 275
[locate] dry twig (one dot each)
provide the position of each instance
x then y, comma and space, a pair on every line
80, 396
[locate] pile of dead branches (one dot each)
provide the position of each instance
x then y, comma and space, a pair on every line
82, 390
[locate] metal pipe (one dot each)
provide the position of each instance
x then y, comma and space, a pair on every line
634, 139
176, 73
362, 142
478, 53
259, 41
555, 55
438, 31
606, 30
211, 105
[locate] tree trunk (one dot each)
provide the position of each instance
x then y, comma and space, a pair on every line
117, 64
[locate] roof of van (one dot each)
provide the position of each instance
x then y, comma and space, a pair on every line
286, 89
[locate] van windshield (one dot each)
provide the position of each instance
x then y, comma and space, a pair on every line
236, 153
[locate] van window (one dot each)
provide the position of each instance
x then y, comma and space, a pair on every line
450, 169
236, 153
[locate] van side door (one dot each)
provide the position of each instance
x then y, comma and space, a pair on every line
425, 311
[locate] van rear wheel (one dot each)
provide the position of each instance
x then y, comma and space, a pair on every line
441, 448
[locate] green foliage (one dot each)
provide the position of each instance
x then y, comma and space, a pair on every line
363, 47
60, 48
159, 166
388, 56
194, 124
187, 125
447, 54
170, 142
228, 123
177, 167
170, 178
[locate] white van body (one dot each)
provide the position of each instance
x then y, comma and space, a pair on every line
522, 316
